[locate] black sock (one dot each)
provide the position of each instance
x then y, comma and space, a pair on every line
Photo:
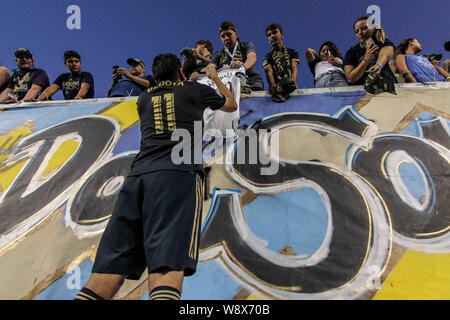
164, 293
86, 294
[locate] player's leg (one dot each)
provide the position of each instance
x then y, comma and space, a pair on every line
172, 219
101, 286
165, 284
120, 253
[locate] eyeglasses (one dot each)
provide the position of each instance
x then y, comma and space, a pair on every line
23, 58
73, 61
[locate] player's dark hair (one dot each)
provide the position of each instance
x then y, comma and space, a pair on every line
207, 44
274, 26
71, 54
166, 67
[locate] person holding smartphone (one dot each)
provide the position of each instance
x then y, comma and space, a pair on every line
327, 66
130, 82
371, 54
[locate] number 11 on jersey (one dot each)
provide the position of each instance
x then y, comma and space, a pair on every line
169, 104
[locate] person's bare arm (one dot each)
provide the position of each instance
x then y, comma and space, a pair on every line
294, 71
4, 97
48, 92
4, 75
230, 103
352, 73
386, 53
270, 78
140, 81
84, 89
311, 55
400, 64
32, 93
440, 69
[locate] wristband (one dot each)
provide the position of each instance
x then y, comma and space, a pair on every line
380, 65
364, 59
448, 78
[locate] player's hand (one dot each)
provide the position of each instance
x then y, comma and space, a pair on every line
194, 76
211, 71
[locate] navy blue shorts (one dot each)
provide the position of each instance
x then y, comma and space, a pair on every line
155, 223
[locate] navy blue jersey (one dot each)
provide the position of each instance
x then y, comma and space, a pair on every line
172, 107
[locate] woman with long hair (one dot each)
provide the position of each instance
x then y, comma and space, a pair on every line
327, 66
371, 54
415, 67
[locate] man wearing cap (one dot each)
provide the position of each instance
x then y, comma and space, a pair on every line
27, 83
75, 84
238, 55
135, 79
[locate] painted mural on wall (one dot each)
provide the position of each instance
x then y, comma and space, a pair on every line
357, 207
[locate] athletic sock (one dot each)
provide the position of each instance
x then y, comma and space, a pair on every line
165, 293
86, 294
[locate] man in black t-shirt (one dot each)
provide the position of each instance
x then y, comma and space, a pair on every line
27, 83
76, 84
238, 55
157, 217
280, 65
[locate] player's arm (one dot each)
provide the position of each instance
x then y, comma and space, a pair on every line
48, 92
230, 103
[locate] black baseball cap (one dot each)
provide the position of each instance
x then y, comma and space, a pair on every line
135, 61
23, 52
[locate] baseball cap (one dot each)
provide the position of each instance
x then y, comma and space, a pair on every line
23, 52
227, 25
135, 61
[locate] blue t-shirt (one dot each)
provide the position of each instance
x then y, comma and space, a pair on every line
70, 84
125, 87
422, 69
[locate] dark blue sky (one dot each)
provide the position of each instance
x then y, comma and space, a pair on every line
114, 30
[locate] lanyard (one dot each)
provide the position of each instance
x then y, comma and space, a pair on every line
234, 50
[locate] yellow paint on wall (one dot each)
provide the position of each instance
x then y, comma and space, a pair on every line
125, 113
8, 140
61, 155
418, 276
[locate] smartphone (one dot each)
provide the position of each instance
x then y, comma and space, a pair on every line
115, 71
369, 42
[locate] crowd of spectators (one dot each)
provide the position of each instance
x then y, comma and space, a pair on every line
373, 54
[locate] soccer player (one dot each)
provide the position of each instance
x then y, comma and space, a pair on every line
157, 217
